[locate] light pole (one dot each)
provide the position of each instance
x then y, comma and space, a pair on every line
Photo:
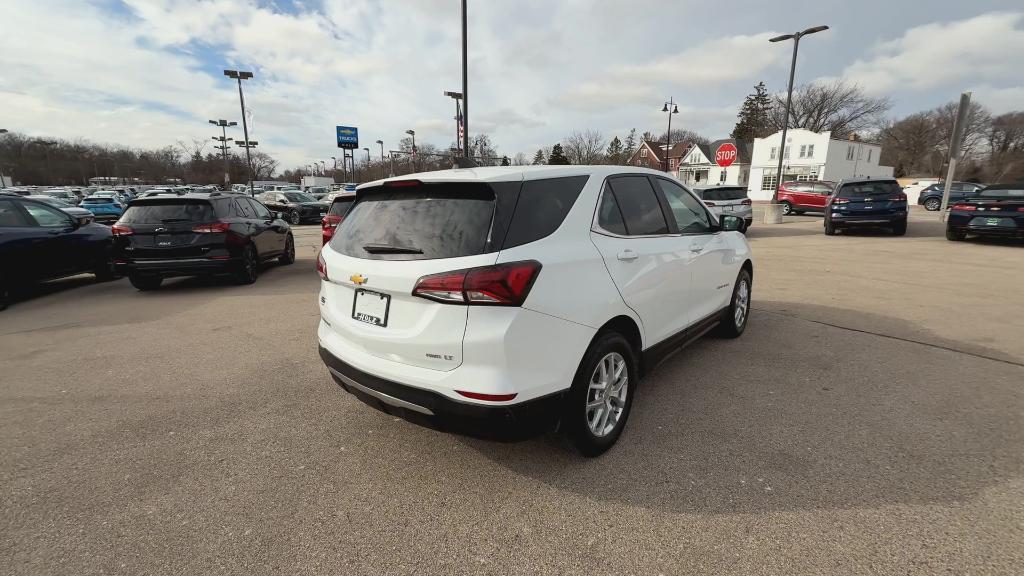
223, 139
3, 183
381, 142
323, 167
774, 214
239, 75
671, 108
465, 86
367, 150
247, 144
457, 96
413, 134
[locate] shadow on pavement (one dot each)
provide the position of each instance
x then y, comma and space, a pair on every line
797, 415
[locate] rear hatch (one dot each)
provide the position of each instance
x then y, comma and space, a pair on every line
726, 198
996, 206
169, 228
391, 237
880, 198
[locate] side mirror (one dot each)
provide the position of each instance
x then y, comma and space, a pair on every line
730, 223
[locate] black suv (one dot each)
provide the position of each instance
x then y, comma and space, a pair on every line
867, 202
931, 197
297, 206
198, 234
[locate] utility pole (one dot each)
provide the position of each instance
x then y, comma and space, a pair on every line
381, 142
465, 86
247, 144
239, 75
223, 139
412, 133
3, 183
954, 149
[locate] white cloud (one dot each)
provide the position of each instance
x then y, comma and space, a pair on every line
983, 48
729, 59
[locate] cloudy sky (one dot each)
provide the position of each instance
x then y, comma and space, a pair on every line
149, 72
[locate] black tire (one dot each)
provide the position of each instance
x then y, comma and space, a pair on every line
787, 208
289, 251
932, 204
5, 297
248, 267
294, 218
575, 420
729, 327
900, 228
105, 271
955, 235
144, 283
830, 228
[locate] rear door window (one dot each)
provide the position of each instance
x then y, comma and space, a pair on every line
609, 217
542, 206
244, 209
261, 211
690, 215
639, 205
427, 221
11, 216
163, 213
47, 217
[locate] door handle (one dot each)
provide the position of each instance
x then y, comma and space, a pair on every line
697, 249
627, 254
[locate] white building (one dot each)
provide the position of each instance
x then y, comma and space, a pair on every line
811, 156
698, 168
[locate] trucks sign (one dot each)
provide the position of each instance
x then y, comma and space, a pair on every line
348, 137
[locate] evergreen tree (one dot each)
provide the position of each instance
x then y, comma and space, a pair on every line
752, 120
505, 161
631, 145
615, 152
539, 158
557, 156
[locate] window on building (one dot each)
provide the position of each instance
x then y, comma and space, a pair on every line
849, 152
774, 149
785, 152
643, 152
721, 177
769, 182
869, 154
803, 150
810, 150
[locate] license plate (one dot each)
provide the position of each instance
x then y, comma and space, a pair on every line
164, 240
992, 221
726, 208
371, 307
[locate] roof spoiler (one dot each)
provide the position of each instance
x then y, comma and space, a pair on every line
464, 162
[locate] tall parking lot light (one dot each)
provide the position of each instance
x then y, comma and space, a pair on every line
412, 133
247, 144
671, 108
223, 139
2, 182
381, 142
774, 212
239, 76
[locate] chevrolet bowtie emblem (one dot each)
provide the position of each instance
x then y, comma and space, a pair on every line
358, 279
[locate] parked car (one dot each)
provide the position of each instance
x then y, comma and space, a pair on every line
931, 197
318, 192
75, 212
196, 235
728, 200
804, 196
298, 207
867, 202
997, 210
339, 207
106, 207
68, 196
39, 242
493, 299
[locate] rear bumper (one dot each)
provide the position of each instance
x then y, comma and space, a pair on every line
994, 231
868, 219
431, 409
169, 268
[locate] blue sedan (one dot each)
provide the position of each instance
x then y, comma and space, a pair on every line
105, 208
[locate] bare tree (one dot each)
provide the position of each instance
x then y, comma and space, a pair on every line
975, 128
838, 106
263, 165
685, 135
586, 147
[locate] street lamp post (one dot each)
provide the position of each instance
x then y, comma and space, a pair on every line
223, 139
773, 215
239, 75
671, 108
381, 142
323, 167
3, 183
367, 150
457, 96
465, 86
247, 144
413, 134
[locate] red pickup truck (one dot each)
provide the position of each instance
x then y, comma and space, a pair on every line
810, 195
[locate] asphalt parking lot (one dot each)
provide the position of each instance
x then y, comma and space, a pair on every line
870, 421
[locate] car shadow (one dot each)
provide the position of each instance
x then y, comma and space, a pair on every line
762, 424
786, 229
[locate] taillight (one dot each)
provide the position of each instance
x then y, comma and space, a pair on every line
321, 267
840, 200
706, 203
498, 285
487, 397
402, 183
327, 226
1021, 209
898, 198
211, 228
747, 202
121, 230
967, 207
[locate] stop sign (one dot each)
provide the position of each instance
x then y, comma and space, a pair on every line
726, 155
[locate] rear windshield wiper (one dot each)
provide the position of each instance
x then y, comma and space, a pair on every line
167, 220
391, 249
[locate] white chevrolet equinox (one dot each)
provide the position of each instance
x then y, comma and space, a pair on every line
498, 300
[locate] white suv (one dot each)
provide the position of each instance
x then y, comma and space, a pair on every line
503, 299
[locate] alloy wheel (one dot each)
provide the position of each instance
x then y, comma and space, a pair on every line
741, 303
606, 394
